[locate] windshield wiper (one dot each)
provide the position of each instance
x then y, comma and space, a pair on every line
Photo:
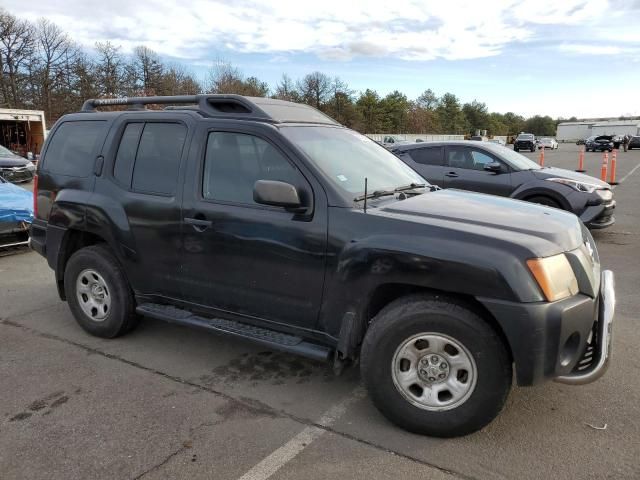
386, 193
375, 194
411, 186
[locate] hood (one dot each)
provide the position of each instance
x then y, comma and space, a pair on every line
16, 204
14, 161
542, 230
552, 172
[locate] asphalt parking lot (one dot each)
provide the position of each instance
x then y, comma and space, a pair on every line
169, 402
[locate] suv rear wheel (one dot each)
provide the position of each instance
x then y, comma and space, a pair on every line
435, 367
98, 292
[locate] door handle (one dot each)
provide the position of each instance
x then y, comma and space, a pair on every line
451, 174
199, 224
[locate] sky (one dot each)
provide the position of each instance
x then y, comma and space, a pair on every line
561, 58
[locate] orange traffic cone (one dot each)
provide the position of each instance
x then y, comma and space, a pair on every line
603, 168
542, 156
612, 180
581, 160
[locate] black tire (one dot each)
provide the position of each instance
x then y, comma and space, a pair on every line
533, 149
400, 321
542, 200
515, 149
120, 317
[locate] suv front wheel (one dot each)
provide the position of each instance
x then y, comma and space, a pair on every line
98, 292
435, 367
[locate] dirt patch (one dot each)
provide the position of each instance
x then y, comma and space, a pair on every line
274, 368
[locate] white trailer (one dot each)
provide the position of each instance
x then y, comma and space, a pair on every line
617, 127
22, 131
573, 131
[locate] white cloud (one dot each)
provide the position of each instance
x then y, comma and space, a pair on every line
330, 29
589, 49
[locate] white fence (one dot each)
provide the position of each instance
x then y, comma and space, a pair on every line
411, 137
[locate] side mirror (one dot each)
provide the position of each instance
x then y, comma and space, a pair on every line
495, 167
277, 194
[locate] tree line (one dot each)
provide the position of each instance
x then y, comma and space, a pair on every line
42, 68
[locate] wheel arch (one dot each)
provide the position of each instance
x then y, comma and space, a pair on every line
526, 192
385, 294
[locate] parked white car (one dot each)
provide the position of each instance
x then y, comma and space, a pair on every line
547, 143
497, 141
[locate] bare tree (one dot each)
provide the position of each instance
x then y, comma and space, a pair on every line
225, 78
55, 51
286, 90
110, 70
146, 69
315, 88
176, 80
16, 50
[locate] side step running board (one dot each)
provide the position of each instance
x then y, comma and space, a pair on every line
262, 336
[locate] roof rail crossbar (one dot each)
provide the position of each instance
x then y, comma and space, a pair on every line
228, 106
91, 104
215, 105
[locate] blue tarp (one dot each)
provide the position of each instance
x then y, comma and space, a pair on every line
16, 203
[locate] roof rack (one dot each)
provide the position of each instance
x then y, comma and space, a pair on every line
220, 105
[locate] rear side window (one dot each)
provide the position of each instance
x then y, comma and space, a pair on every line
157, 160
126, 156
427, 156
73, 148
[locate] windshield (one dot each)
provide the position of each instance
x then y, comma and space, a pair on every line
5, 153
515, 159
346, 158
526, 136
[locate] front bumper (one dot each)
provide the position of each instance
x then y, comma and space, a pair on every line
595, 359
13, 234
569, 339
17, 175
599, 216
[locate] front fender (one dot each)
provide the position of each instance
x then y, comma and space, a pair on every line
445, 264
555, 191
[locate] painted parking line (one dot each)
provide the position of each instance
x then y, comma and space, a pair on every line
280, 457
628, 174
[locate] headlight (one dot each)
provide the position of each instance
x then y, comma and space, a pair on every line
579, 186
605, 194
31, 167
555, 276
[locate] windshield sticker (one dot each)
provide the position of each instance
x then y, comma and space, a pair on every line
342, 178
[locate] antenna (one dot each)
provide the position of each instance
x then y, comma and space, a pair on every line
365, 194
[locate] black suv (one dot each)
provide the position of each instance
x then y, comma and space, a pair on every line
525, 141
269, 221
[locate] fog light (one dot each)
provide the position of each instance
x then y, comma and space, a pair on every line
570, 349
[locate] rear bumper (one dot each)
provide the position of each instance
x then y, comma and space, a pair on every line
553, 339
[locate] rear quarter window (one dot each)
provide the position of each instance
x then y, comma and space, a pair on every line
427, 156
73, 148
158, 158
